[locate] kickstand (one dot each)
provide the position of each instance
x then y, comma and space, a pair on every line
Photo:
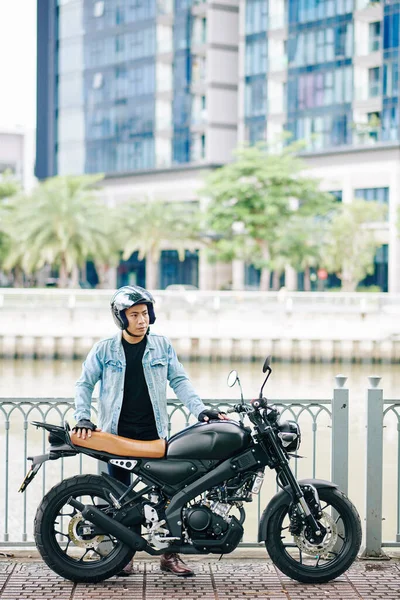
220, 557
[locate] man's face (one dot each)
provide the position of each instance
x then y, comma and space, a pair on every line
138, 320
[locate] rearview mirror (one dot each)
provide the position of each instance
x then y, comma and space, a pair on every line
266, 364
232, 378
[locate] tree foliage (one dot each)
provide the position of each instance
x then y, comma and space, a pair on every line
351, 242
62, 223
252, 200
148, 226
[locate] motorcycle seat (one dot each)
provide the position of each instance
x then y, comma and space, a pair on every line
121, 446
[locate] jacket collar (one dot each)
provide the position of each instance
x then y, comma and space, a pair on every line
117, 342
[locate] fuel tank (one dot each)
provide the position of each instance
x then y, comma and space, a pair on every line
215, 440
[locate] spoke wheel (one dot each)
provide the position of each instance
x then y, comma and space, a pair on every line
70, 545
303, 560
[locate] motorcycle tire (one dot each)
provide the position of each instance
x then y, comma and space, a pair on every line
283, 556
47, 520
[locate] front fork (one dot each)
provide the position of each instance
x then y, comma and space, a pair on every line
316, 532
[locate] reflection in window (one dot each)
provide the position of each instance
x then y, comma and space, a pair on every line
256, 97
256, 16
322, 45
379, 194
337, 194
374, 82
256, 56
374, 36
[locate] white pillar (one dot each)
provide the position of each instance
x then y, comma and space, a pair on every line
238, 275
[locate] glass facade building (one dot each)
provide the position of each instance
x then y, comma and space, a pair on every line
325, 70
125, 85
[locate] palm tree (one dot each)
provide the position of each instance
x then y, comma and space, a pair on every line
9, 187
62, 223
148, 226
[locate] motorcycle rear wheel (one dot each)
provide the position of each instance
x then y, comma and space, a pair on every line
308, 563
64, 543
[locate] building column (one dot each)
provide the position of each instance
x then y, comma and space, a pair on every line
238, 274
290, 278
205, 271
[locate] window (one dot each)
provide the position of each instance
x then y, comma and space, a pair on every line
374, 36
256, 56
379, 194
391, 31
255, 131
338, 195
256, 16
391, 79
374, 82
256, 97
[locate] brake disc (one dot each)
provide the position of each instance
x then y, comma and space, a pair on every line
75, 537
326, 545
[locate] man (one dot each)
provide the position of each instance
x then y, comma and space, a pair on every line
133, 368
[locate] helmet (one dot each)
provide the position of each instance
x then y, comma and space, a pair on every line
128, 296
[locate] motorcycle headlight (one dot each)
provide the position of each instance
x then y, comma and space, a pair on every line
289, 435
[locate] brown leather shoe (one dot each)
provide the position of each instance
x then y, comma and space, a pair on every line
127, 570
174, 564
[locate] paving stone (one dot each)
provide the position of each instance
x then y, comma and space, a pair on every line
246, 579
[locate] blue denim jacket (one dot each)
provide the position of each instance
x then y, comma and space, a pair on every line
106, 363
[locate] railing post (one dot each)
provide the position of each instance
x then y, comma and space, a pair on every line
374, 471
340, 434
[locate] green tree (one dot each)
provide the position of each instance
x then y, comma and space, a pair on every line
252, 199
9, 187
301, 243
62, 223
351, 242
149, 226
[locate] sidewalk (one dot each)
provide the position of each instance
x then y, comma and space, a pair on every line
248, 576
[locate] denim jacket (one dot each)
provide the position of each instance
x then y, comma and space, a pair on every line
106, 363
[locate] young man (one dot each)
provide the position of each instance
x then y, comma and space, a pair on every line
133, 368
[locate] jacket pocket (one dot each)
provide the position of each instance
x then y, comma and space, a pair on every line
115, 366
160, 361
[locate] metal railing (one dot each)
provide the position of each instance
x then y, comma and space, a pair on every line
18, 440
325, 443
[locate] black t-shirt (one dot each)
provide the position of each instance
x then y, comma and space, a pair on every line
136, 420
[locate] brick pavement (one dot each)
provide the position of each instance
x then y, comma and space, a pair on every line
230, 579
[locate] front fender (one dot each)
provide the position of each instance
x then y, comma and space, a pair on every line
284, 498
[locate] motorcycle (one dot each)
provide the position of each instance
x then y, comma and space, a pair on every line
188, 496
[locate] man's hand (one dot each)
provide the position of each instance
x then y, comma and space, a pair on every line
212, 413
84, 428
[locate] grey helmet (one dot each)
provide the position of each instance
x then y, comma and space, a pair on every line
128, 296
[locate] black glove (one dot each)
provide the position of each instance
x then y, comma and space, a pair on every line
84, 424
211, 413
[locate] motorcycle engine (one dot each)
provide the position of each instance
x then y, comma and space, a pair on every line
204, 523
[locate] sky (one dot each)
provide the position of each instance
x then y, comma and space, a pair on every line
18, 63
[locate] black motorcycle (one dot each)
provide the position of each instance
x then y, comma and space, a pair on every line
187, 496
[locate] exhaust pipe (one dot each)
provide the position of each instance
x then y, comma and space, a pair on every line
97, 517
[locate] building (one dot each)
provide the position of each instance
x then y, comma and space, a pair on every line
144, 91
156, 93
17, 154
328, 72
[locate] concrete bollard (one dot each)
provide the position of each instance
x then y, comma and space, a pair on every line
374, 474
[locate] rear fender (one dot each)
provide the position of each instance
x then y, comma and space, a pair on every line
284, 498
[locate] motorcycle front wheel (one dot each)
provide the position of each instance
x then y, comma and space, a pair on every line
65, 540
299, 559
